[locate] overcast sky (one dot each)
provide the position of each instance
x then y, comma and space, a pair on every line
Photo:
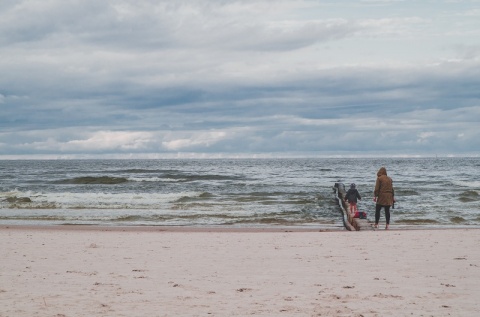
221, 78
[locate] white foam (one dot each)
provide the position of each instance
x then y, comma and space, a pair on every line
154, 179
71, 200
470, 184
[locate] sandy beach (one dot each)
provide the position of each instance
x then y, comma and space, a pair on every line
88, 271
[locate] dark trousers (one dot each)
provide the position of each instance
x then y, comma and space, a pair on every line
377, 213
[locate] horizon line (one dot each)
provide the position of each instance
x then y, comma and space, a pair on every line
183, 155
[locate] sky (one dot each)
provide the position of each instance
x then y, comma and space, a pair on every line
246, 78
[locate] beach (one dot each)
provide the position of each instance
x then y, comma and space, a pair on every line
160, 271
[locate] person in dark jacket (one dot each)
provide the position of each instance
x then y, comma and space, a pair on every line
383, 195
351, 196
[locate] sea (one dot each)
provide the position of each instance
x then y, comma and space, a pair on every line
235, 193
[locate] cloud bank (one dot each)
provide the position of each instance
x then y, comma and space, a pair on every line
239, 78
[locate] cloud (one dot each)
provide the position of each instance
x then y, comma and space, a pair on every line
162, 25
193, 140
109, 140
163, 77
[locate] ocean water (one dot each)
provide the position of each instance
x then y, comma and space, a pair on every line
430, 192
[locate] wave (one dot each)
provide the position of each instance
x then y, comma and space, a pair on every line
102, 180
189, 198
417, 221
470, 184
406, 192
201, 177
133, 218
153, 180
457, 220
208, 219
144, 171
14, 202
94, 200
34, 218
469, 196
15, 199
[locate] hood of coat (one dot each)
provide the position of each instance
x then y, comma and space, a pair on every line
382, 171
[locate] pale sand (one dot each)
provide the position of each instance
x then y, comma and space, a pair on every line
92, 272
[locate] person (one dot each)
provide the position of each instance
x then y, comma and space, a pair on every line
351, 196
383, 195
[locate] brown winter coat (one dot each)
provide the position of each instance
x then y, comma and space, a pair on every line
383, 188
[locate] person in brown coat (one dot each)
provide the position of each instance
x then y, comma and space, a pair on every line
383, 196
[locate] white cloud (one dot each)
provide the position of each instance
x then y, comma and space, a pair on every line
100, 141
194, 139
424, 136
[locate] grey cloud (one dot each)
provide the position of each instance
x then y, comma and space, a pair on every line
221, 76
160, 25
335, 94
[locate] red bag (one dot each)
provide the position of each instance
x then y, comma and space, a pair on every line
361, 215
